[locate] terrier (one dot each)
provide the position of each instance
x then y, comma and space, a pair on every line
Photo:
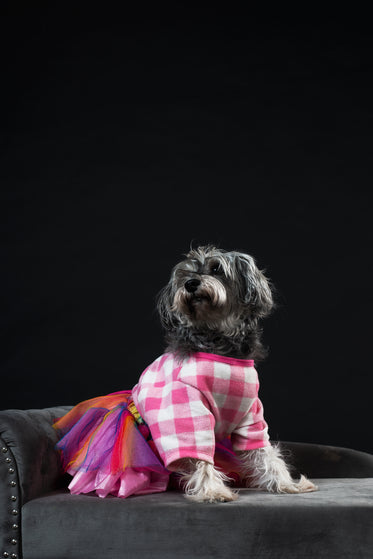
200, 398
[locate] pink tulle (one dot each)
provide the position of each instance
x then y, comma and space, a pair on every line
106, 451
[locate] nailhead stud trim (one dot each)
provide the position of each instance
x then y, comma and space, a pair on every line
13, 497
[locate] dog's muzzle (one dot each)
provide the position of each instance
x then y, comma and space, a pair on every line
199, 297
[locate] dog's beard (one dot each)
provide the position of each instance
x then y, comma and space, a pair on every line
208, 305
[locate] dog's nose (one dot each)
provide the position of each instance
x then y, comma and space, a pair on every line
192, 285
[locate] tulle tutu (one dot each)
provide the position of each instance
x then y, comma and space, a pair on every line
107, 451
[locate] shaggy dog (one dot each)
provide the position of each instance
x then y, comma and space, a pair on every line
210, 309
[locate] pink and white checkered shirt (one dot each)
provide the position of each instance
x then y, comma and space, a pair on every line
191, 403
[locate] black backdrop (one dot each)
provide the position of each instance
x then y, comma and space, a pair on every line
127, 139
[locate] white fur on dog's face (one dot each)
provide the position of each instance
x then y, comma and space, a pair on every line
207, 304
215, 290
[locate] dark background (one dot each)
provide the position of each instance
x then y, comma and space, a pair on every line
125, 139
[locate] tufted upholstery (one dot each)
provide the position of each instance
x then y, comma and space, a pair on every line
29, 467
39, 519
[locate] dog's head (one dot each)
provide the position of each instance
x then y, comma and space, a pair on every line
214, 290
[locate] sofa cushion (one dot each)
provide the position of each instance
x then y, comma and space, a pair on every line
335, 522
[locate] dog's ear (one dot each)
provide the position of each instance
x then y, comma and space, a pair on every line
164, 306
255, 287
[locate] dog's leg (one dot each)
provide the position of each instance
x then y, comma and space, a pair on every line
203, 483
265, 468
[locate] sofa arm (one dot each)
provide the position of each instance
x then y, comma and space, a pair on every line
27, 450
324, 461
29, 467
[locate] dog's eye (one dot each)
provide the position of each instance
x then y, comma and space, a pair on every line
216, 269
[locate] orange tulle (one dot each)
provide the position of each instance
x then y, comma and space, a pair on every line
108, 451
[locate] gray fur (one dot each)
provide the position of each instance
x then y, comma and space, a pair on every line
220, 311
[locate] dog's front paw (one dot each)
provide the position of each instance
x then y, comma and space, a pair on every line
304, 485
206, 495
204, 484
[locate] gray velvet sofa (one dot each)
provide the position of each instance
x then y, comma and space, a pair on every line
39, 519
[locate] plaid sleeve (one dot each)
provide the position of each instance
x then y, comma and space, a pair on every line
252, 432
181, 424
